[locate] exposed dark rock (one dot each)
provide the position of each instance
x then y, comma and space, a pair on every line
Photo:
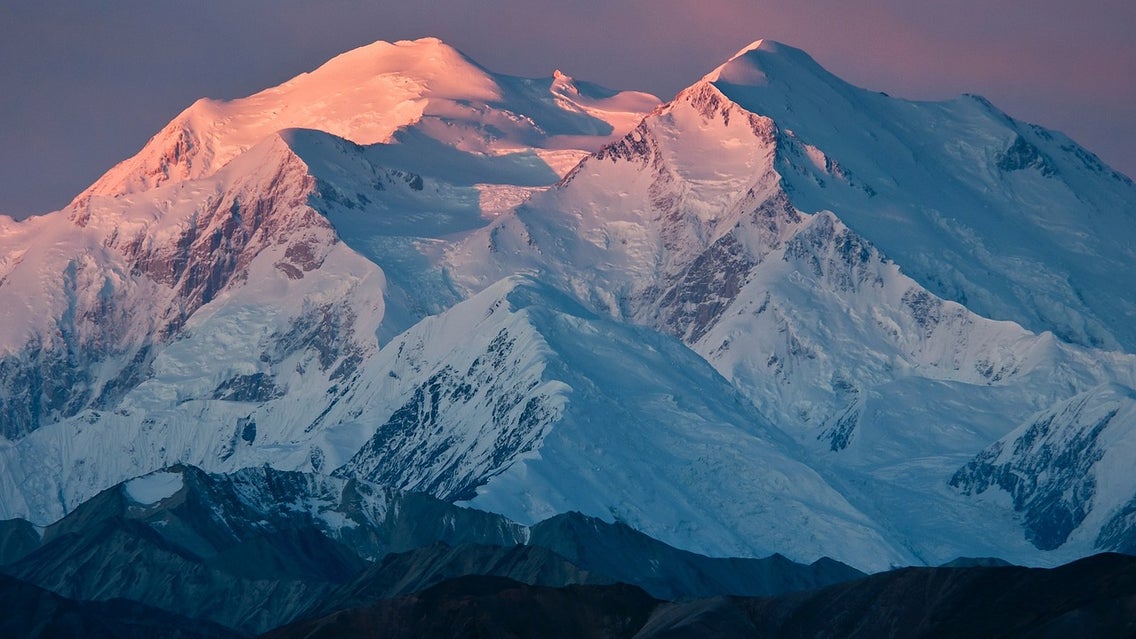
839, 434
1049, 473
257, 387
1022, 155
328, 330
695, 303
410, 450
1119, 533
835, 254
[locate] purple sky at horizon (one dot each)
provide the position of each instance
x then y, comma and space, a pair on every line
83, 85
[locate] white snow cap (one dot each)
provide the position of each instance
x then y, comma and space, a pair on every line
754, 63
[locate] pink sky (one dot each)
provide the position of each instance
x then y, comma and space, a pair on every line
84, 85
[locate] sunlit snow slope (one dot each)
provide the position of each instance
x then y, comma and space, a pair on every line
368, 94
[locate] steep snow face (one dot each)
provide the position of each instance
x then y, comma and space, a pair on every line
1014, 221
401, 204
520, 401
368, 94
217, 318
1067, 471
117, 280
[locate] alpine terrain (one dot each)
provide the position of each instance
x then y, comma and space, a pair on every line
401, 301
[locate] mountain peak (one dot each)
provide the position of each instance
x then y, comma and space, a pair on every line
426, 59
757, 63
754, 46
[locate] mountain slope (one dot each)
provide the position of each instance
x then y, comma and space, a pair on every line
251, 550
30, 612
501, 398
1067, 465
414, 571
1010, 219
688, 226
367, 94
1093, 597
483, 606
163, 303
631, 557
210, 305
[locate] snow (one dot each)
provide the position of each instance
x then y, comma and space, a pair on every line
926, 182
367, 95
760, 320
636, 428
153, 488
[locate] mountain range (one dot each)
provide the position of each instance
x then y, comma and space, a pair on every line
775, 314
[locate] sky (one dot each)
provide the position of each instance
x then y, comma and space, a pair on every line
84, 84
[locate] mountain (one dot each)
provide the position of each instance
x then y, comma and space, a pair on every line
631, 557
370, 94
690, 226
249, 551
17, 538
1092, 597
503, 396
1089, 598
416, 570
1064, 459
260, 547
574, 549
195, 259
765, 317
482, 606
31, 613
1012, 220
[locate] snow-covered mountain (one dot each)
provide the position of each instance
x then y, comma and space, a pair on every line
372, 94
767, 316
1012, 220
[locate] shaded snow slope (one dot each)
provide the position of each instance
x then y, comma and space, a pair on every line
521, 402
1015, 221
1068, 471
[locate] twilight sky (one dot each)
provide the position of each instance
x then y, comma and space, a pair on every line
84, 84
